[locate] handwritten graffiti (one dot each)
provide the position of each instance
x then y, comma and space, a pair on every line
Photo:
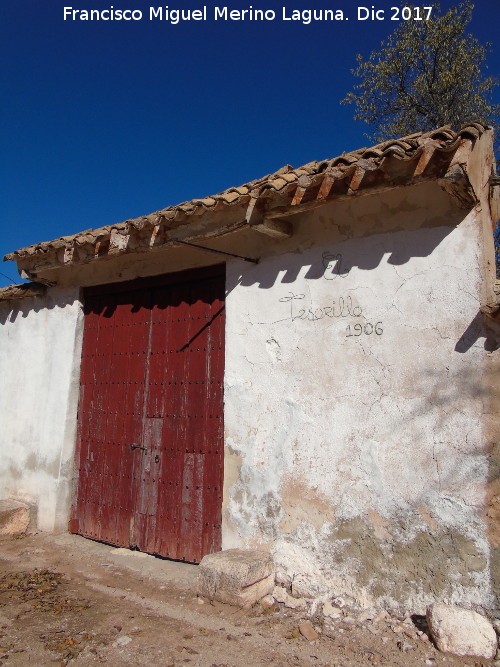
368, 328
332, 263
338, 308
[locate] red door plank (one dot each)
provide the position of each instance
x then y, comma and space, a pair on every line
149, 463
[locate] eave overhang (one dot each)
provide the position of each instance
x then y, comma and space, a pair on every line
267, 205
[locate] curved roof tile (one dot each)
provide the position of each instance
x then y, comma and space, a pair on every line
283, 182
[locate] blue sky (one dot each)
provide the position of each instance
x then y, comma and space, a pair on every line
101, 122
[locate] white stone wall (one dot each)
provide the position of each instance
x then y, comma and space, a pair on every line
40, 348
354, 397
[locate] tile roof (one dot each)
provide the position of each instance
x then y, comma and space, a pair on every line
12, 292
281, 194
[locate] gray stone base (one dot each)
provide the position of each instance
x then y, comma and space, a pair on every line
238, 577
14, 517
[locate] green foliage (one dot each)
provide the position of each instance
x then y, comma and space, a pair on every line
425, 75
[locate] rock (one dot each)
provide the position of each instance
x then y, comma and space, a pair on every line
122, 641
461, 631
293, 603
405, 647
346, 602
14, 517
280, 594
307, 631
331, 611
305, 586
382, 616
366, 615
267, 601
240, 577
375, 658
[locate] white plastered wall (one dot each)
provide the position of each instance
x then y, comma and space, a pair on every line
40, 349
354, 398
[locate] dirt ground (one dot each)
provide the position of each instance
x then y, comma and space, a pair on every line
65, 600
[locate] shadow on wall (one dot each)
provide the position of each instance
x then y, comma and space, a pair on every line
480, 327
391, 228
331, 264
442, 390
56, 297
365, 253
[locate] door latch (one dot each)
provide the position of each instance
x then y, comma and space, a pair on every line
134, 446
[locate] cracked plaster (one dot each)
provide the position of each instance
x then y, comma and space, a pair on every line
362, 461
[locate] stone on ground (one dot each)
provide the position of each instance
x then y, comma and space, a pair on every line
267, 602
14, 517
367, 615
280, 594
306, 630
462, 632
331, 611
240, 577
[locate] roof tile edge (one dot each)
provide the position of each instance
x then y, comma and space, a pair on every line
284, 192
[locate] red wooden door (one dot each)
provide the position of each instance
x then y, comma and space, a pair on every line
149, 459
